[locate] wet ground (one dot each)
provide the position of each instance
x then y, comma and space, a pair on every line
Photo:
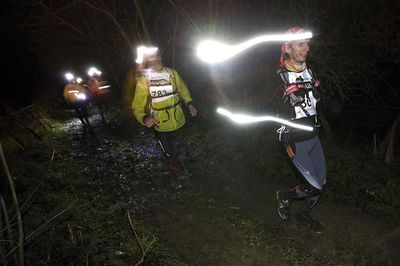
225, 213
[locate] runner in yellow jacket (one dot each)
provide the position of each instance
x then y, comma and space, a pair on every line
159, 95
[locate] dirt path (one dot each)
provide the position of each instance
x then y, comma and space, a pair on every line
212, 221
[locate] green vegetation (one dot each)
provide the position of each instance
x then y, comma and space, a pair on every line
360, 179
356, 176
83, 205
91, 229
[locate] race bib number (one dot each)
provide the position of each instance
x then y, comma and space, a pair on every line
308, 107
160, 91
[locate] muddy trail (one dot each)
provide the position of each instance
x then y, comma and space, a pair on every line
224, 214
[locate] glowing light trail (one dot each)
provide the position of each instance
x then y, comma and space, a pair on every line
78, 94
246, 119
215, 52
81, 96
104, 87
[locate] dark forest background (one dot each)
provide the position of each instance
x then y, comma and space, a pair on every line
355, 51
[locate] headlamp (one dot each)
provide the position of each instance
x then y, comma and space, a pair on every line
143, 51
69, 76
93, 71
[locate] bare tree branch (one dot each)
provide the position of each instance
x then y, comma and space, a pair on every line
185, 15
142, 20
114, 20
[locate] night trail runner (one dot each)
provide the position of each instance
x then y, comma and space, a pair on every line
303, 147
77, 98
157, 104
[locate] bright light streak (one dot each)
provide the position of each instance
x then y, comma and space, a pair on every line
78, 94
104, 87
93, 71
215, 52
69, 76
81, 96
247, 119
142, 51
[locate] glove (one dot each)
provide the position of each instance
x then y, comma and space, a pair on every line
295, 100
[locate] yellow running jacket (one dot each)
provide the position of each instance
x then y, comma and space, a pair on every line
159, 95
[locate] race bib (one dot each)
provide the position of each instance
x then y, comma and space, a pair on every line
308, 107
159, 93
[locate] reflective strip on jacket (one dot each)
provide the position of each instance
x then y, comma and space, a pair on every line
73, 93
